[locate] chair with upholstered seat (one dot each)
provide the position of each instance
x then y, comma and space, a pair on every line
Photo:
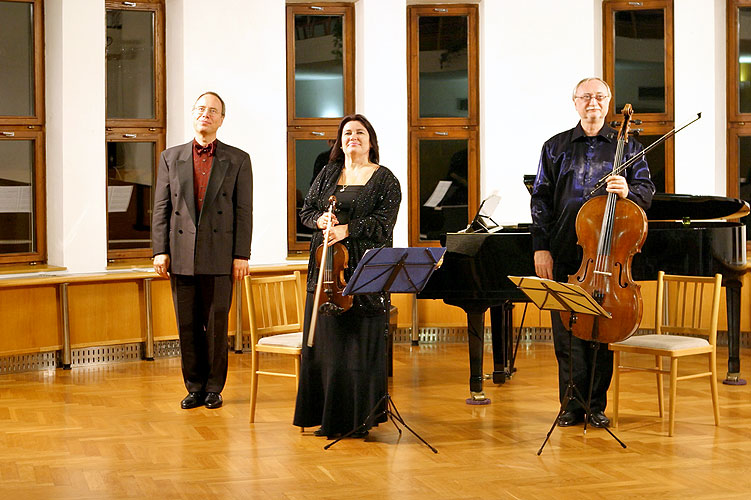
275, 311
685, 325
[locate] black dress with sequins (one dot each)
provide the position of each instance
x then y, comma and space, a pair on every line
343, 376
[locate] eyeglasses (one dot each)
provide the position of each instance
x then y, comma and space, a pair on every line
589, 97
203, 109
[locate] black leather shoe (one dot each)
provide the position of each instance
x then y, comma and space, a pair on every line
213, 400
599, 420
359, 434
569, 418
192, 400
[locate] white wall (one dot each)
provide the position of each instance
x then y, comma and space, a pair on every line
381, 79
529, 60
76, 157
238, 51
700, 87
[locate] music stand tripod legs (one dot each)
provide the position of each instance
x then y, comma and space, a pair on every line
392, 270
554, 296
390, 410
572, 393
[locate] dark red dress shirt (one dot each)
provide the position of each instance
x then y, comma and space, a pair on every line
203, 157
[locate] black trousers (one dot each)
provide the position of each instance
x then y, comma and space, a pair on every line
202, 305
582, 358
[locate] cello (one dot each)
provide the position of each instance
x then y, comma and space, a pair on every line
610, 231
331, 261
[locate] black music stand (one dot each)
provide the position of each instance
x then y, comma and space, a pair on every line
392, 270
554, 296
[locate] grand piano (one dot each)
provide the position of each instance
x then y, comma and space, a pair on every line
682, 239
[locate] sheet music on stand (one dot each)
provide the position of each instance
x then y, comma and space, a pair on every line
394, 270
483, 220
556, 296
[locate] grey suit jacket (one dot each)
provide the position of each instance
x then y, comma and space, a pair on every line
203, 243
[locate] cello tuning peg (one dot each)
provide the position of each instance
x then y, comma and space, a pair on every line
636, 131
636, 122
615, 124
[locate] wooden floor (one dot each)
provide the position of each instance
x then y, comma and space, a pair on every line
116, 431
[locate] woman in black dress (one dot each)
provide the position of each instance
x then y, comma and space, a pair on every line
343, 376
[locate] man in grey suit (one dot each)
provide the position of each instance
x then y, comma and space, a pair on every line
201, 232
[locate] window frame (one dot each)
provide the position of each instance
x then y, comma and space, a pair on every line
32, 127
135, 135
38, 118
609, 8
159, 120
34, 133
435, 127
660, 129
652, 123
473, 175
320, 133
313, 128
413, 64
139, 129
347, 10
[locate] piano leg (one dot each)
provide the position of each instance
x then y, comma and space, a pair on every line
500, 324
476, 340
733, 300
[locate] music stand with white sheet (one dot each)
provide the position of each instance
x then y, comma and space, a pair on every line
554, 296
481, 223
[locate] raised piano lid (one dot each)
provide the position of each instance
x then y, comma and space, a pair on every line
688, 207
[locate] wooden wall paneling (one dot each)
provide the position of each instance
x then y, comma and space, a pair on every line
105, 313
31, 320
163, 310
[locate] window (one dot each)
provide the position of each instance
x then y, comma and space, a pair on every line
444, 172
638, 65
320, 91
22, 140
135, 122
739, 102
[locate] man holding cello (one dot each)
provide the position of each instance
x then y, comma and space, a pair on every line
571, 164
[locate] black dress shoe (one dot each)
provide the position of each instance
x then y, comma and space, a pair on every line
192, 400
359, 434
599, 420
213, 400
569, 418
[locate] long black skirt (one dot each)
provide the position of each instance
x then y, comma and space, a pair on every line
343, 376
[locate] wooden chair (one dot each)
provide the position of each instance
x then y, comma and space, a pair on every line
275, 310
680, 312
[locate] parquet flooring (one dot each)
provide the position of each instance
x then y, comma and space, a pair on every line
116, 431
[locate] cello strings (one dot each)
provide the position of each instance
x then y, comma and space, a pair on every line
604, 246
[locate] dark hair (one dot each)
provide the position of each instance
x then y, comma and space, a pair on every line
337, 155
215, 95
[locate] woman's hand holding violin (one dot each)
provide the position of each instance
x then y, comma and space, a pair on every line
324, 219
338, 233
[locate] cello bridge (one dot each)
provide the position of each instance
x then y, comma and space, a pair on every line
604, 273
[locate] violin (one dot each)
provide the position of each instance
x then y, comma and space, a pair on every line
610, 231
331, 261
